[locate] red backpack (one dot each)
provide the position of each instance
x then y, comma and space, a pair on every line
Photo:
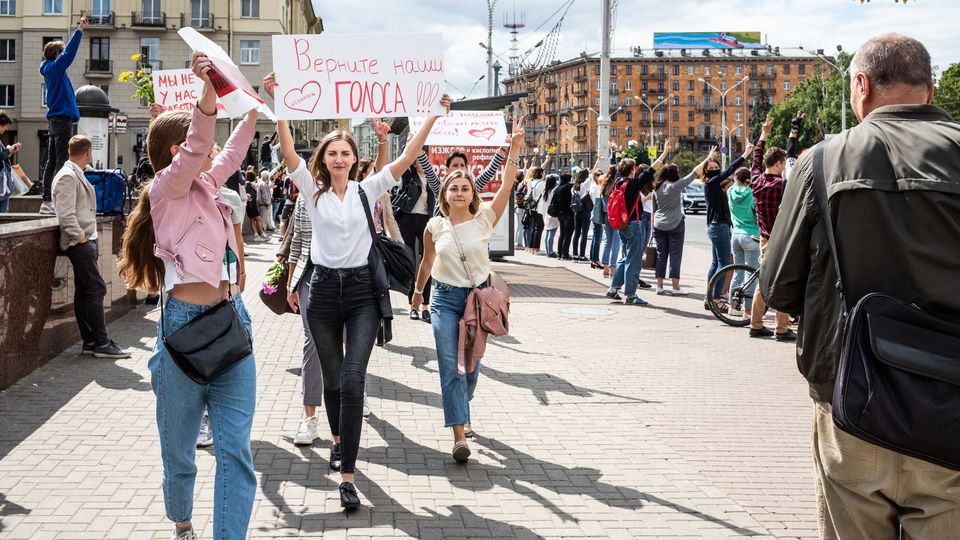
617, 214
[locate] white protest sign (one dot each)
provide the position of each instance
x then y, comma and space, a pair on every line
465, 128
233, 89
357, 75
179, 90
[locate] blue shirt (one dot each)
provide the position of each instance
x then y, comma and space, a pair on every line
61, 100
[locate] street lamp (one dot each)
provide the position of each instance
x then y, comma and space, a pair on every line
643, 101
843, 86
723, 114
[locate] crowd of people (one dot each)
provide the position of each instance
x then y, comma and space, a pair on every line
335, 212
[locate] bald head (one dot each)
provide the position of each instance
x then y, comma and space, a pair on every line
891, 69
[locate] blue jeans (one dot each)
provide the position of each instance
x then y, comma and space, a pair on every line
446, 310
719, 235
745, 251
627, 274
596, 242
231, 399
4, 205
551, 234
669, 245
645, 230
611, 246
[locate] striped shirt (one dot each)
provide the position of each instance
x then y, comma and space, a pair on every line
481, 181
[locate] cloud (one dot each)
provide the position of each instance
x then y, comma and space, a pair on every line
814, 24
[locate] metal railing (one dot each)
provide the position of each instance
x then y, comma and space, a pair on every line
102, 19
205, 21
150, 19
99, 67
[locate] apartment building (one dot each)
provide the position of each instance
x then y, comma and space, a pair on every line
655, 95
119, 29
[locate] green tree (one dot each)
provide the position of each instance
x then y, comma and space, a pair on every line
686, 160
759, 114
947, 93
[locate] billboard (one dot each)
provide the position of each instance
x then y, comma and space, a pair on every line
707, 40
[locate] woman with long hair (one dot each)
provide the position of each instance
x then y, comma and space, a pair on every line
597, 217
251, 191
550, 223
457, 255
581, 218
562, 196
668, 220
610, 253
533, 203
347, 300
178, 239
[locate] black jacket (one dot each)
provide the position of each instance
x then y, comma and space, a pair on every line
894, 188
562, 197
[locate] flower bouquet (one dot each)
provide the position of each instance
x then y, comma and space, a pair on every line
141, 81
273, 290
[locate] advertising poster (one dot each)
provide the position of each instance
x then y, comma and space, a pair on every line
707, 40
465, 128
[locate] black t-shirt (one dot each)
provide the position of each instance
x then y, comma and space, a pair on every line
634, 191
718, 206
563, 197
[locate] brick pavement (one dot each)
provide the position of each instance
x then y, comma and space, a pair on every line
594, 420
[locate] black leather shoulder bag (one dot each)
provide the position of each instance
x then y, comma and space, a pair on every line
397, 258
898, 377
213, 342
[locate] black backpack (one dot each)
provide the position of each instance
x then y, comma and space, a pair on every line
576, 203
553, 209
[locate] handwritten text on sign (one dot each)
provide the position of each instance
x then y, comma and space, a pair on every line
357, 75
179, 90
466, 128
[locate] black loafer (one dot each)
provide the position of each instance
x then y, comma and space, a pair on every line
414, 315
348, 496
336, 456
761, 332
425, 316
644, 285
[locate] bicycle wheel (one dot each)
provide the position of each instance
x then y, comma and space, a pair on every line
736, 297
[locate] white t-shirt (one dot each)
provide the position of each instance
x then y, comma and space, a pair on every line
474, 237
647, 204
421, 205
236, 204
341, 237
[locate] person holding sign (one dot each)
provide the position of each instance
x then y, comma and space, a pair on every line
457, 255
178, 239
346, 303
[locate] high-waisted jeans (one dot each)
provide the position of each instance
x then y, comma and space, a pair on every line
611, 246
719, 235
231, 399
343, 305
457, 390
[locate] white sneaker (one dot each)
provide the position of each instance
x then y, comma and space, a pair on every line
205, 437
308, 432
660, 291
47, 208
678, 292
735, 314
185, 535
366, 409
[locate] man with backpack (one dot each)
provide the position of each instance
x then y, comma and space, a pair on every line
890, 187
625, 213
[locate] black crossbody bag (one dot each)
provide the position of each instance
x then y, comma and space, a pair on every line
397, 258
213, 342
898, 377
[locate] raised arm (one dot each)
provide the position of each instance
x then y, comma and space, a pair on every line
490, 172
70, 51
287, 146
510, 171
432, 180
233, 151
415, 145
383, 152
756, 168
667, 148
695, 173
734, 165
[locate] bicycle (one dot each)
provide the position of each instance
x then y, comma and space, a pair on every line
736, 296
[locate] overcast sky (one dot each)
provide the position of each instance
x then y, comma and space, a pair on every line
785, 23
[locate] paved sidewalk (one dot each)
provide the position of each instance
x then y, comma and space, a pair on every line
594, 420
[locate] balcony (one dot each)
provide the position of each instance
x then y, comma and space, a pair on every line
580, 93
551, 99
552, 84
579, 78
762, 76
580, 138
102, 20
656, 76
141, 19
756, 91
203, 22
707, 107
99, 69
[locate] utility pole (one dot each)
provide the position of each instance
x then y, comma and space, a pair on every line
603, 121
490, 5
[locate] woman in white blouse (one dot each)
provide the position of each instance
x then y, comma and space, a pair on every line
347, 303
464, 227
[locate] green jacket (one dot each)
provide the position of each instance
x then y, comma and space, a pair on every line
893, 184
741, 210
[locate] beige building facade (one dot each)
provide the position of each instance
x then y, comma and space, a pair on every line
119, 29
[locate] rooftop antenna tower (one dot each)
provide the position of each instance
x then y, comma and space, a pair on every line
514, 26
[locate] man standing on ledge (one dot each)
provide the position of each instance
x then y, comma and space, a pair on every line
62, 110
76, 207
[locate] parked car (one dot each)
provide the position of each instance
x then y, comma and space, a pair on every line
693, 199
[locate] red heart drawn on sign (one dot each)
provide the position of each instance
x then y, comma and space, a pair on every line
303, 99
485, 132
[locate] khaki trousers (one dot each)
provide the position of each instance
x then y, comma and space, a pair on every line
760, 305
868, 492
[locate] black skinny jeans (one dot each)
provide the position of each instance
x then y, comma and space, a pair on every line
342, 304
88, 293
581, 229
537, 230
566, 234
411, 229
59, 131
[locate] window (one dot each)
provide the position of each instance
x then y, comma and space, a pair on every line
676, 69
53, 7
8, 7
598, 69
105, 88
628, 131
722, 70
739, 100
250, 52
676, 116
48, 39
613, 87
802, 69
739, 70
660, 71
628, 85
786, 85
6, 95
151, 11
723, 85
769, 85
676, 85
200, 13
706, 71
627, 101
251, 9
689, 70
7, 50
689, 100
613, 132
598, 85
690, 116
690, 131
613, 69
660, 119
629, 70
99, 48
150, 49
739, 132
643, 85
786, 69
706, 117
597, 102
676, 101
690, 84
769, 69
660, 86
643, 69
676, 132
645, 116
739, 116
708, 99
629, 116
